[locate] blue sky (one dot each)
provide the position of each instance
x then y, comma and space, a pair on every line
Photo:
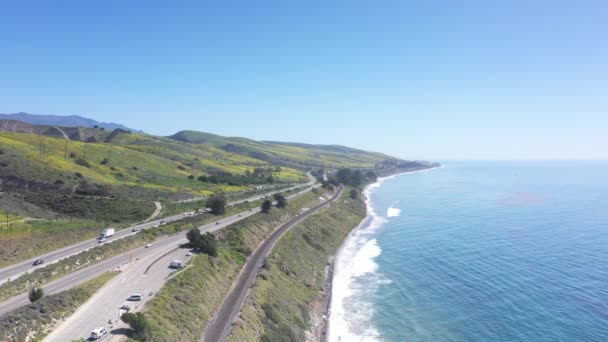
424, 80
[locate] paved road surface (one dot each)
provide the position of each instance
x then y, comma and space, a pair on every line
16, 270
103, 306
220, 326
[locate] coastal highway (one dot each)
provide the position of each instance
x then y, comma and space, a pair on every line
145, 274
14, 271
220, 326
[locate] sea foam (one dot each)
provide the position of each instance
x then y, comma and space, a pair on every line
354, 278
393, 212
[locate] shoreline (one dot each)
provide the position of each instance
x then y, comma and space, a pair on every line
321, 307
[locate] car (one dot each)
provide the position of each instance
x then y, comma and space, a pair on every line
125, 307
218, 222
38, 262
162, 222
97, 333
148, 245
135, 230
135, 297
102, 240
189, 254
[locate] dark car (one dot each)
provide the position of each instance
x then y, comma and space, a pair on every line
38, 262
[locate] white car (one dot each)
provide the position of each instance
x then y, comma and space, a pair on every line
97, 333
148, 245
135, 297
189, 254
102, 240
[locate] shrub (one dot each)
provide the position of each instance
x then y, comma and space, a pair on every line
104, 161
266, 205
82, 162
35, 294
72, 155
137, 321
191, 177
181, 167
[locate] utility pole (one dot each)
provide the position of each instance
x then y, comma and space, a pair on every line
65, 152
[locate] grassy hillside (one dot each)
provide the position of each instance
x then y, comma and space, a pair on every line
182, 308
288, 154
72, 176
278, 305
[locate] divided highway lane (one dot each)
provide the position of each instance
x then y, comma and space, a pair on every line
16, 270
157, 250
103, 306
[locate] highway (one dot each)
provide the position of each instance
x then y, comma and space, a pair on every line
220, 325
145, 274
16, 270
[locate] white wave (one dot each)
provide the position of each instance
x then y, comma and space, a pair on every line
349, 316
393, 212
355, 277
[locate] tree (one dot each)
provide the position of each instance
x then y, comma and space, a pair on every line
194, 237
35, 294
191, 177
217, 204
281, 200
372, 176
266, 205
354, 194
205, 243
137, 321
208, 244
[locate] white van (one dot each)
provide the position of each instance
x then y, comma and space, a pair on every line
135, 297
98, 332
175, 264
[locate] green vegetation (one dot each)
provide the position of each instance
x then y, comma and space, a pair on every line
286, 154
34, 320
35, 294
281, 200
139, 325
114, 177
266, 206
23, 240
278, 306
182, 308
204, 243
217, 204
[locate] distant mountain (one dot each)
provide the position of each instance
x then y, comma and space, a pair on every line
63, 121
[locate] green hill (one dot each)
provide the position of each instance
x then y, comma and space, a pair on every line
94, 174
296, 155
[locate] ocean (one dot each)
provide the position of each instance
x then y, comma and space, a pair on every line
478, 251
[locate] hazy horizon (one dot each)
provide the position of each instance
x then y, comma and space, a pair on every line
435, 81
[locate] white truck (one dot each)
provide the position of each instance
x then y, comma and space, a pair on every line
106, 233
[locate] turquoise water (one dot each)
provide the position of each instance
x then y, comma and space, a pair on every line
479, 251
